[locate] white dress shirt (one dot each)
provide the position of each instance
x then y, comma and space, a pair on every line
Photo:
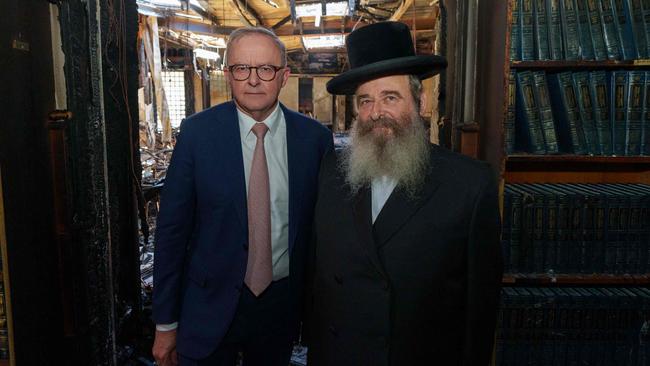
275, 148
381, 189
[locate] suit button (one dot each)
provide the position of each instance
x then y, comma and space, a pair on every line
338, 279
333, 330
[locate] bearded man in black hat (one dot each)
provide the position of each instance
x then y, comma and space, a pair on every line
406, 259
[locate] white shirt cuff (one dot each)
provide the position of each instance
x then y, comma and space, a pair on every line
167, 327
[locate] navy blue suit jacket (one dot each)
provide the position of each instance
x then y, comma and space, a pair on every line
202, 229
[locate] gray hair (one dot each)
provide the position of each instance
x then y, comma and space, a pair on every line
415, 84
245, 31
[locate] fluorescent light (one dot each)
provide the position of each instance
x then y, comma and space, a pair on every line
210, 55
309, 10
191, 16
148, 12
329, 41
337, 8
317, 20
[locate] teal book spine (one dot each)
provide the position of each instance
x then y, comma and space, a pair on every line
636, 85
626, 36
638, 26
584, 31
645, 140
510, 118
595, 25
545, 112
529, 135
554, 29
527, 31
566, 114
570, 37
515, 31
585, 105
541, 30
645, 7
598, 83
609, 30
618, 112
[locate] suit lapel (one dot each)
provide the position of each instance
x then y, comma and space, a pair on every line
296, 151
400, 207
233, 160
362, 212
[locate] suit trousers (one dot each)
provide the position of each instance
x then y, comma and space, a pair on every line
259, 331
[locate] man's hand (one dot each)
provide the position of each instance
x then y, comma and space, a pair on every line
164, 348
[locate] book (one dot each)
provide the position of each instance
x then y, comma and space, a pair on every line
584, 31
626, 36
554, 29
571, 137
585, 106
598, 83
529, 135
638, 27
515, 31
527, 30
610, 35
570, 36
634, 114
545, 112
541, 30
618, 112
595, 25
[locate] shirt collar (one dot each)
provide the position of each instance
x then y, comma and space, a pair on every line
272, 121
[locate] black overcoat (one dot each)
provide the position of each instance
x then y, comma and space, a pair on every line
421, 285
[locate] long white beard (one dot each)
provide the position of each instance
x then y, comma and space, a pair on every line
404, 157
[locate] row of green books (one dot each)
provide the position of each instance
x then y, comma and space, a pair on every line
580, 30
576, 229
600, 112
574, 326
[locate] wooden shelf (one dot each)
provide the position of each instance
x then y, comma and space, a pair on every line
578, 279
580, 159
577, 169
561, 65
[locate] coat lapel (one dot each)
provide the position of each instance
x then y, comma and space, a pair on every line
234, 161
296, 152
400, 207
362, 212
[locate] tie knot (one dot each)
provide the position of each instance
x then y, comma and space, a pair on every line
260, 129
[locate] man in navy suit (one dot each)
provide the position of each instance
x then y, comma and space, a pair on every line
233, 225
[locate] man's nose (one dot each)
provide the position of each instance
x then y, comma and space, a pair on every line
377, 111
253, 79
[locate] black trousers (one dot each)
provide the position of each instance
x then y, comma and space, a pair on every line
259, 330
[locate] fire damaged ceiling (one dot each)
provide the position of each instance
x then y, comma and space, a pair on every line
313, 31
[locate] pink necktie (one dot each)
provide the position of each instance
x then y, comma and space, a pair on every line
259, 271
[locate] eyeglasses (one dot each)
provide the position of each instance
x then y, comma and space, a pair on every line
264, 72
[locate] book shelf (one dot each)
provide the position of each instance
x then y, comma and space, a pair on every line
577, 291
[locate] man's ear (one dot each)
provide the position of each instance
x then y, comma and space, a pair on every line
423, 103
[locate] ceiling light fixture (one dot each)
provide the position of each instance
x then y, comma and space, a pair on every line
324, 41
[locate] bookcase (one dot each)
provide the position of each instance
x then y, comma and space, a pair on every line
563, 118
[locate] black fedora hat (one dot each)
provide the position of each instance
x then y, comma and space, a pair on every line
382, 49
